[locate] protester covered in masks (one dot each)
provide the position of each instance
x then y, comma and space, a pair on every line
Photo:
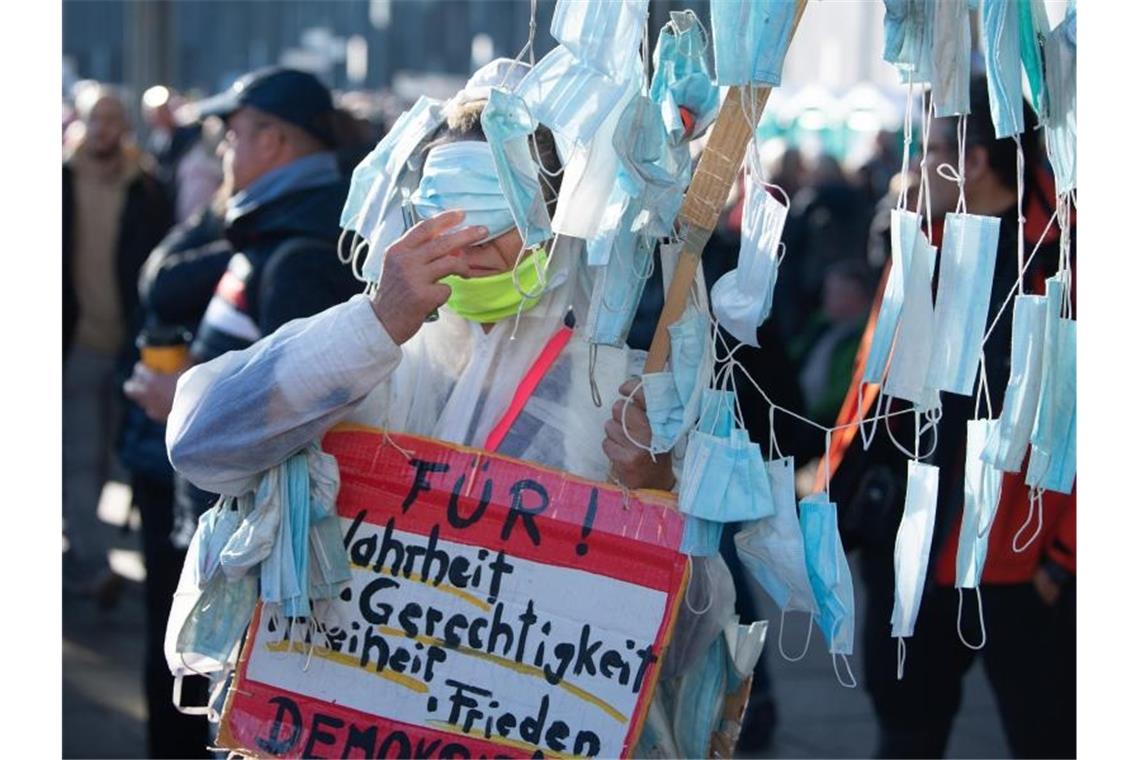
114, 212
377, 360
441, 347
1027, 598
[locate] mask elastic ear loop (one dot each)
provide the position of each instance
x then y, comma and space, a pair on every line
539, 268
340, 245
875, 416
1021, 273
773, 447
981, 621
827, 463
847, 664
899, 446
528, 47
176, 697
780, 639
1036, 504
774, 186
983, 387
708, 576
900, 659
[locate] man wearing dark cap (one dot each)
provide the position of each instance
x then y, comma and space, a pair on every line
282, 217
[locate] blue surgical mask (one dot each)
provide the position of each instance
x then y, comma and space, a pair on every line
462, 175
750, 40
377, 167
828, 573
215, 528
717, 412
772, 549
603, 34
681, 77
701, 538
1061, 84
1052, 455
908, 33
617, 292
382, 219
724, 479
589, 182
950, 83
568, 96
690, 353
664, 408
507, 126
219, 618
904, 232
912, 545
673, 398
742, 298
981, 492
1001, 46
965, 280
647, 170
1033, 25
281, 583
910, 359
1005, 448
649, 187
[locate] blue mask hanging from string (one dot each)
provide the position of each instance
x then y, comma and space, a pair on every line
904, 232
1005, 448
965, 280
681, 77
508, 126
750, 40
603, 34
1001, 46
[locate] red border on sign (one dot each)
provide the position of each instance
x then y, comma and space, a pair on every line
632, 536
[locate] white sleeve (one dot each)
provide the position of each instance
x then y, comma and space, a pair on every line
246, 411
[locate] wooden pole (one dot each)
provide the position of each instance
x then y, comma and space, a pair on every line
716, 172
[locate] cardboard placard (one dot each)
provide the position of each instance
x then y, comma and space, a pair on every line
496, 608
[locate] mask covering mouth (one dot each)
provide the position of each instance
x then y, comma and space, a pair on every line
493, 298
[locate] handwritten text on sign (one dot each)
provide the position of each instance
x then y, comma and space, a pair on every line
496, 608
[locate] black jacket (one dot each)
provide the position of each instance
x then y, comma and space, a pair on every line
285, 266
147, 215
174, 288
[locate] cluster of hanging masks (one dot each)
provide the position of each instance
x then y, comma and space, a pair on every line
284, 539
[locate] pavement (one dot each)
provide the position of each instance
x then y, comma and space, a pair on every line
104, 714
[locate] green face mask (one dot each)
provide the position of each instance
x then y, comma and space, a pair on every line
494, 298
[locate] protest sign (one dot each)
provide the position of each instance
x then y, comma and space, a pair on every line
496, 608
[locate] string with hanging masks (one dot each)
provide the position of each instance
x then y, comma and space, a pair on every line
900, 205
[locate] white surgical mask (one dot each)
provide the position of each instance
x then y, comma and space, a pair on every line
965, 280
912, 549
1005, 448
